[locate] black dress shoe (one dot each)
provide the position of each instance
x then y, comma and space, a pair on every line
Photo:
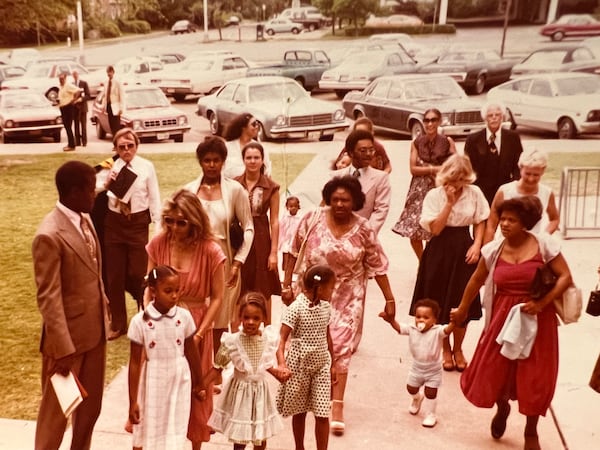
498, 426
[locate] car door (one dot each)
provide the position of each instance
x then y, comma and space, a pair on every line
393, 111
514, 95
237, 105
374, 102
223, 103
538, 108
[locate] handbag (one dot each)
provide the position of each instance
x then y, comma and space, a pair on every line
569, 306
236, 234
543, 282
593, 306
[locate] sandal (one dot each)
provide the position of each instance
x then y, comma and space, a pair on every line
337, 426
460, 361
448, 364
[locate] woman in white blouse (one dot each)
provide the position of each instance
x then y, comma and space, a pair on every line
532, 164
451, 256
244, 128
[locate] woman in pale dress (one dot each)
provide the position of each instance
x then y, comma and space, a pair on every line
344, 241
223, 200
427, 153
244, 128
187, 244
451, 255
532, 164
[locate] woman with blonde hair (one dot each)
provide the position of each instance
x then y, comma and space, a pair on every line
532, 164
450, 257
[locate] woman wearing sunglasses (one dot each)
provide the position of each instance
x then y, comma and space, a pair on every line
187, 244
244, 128
427, 153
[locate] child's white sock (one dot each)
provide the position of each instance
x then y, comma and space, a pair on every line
415, 404
429, 406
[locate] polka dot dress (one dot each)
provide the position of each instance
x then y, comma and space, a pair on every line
308, 358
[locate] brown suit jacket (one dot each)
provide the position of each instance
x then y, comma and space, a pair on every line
74, 309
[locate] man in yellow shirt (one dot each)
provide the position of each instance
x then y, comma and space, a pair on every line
67, 94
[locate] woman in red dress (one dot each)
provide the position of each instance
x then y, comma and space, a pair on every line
507, 268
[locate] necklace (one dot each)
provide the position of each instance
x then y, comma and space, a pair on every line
210, 186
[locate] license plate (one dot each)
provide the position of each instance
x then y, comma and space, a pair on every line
170, 91
314, 135
162, 136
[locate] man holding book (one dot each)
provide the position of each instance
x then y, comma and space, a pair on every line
67, 267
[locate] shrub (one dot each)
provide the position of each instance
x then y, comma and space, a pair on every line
412, 29
135, 26
104, 27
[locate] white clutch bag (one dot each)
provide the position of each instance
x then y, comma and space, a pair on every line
569, 306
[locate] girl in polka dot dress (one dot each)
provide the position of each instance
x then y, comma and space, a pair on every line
306, 323
246, 411
160, 378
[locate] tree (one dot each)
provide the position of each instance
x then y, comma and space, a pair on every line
354, 9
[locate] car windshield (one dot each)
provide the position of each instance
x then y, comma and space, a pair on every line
146, 98
426, 89
284, 91
551, 58
450, 58
23, 100
578, 86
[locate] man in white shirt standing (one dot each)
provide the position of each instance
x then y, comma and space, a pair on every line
67, 95
131, 209
113, 101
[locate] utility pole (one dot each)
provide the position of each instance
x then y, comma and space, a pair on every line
506, 14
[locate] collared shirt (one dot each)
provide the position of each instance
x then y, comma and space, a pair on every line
74, 217
352, 170
66, 93
144, 192
497, 140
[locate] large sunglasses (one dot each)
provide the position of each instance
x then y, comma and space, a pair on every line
170, 221
254, 124
128, 146
430, 119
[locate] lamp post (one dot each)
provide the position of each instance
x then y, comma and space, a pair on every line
264, 8
205, 11
80, 32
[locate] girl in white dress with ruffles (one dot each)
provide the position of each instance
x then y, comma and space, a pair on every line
246, 412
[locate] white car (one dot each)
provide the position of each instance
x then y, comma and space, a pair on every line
200, 76
43, 78
567, 103
280, 25
137, 69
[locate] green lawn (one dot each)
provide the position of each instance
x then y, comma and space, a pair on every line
28, 193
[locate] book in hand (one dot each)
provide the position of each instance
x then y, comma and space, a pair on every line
69, 391
120, 185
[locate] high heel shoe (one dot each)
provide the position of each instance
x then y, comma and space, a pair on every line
337, 426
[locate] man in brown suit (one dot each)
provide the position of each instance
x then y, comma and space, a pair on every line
70, 295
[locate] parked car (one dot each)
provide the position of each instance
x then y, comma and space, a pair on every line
305, 66
169, 58
398, 103
359, 69
28, 114
280, 25
137, 69
281, 106
147, 111
395, 20
308, 17
571, 25
474, 70
337, 55
43, 78
566, 103
21, 56
7, 72
200, 76
183, 26
565, 58
50, 59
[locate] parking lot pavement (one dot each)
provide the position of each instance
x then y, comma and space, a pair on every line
376, 400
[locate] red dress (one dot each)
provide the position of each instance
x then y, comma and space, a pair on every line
535, 377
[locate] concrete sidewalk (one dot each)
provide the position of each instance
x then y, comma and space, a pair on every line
376, 402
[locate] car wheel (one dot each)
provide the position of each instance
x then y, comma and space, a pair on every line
295, 30
566, 129
558, 36
52, 95
479, 85
215, 126
300, 81
270, 32
326, 137
178, 138
179, 97
340, 93
416, 129
5, 139
100, 133
56, 137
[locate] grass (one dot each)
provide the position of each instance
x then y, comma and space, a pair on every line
28, 193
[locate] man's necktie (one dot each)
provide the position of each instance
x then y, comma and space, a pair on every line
492, 144
356, 173
108, 91
88, 236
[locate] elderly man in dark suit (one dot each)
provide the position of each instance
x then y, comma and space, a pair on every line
70, 295
494, 152
81, 110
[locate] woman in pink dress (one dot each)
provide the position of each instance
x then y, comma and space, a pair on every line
507, 268
344, 241
186, 244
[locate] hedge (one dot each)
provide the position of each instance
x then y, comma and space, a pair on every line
408, 29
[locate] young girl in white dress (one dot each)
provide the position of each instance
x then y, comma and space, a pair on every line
246, 412
162, 353
309, 356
